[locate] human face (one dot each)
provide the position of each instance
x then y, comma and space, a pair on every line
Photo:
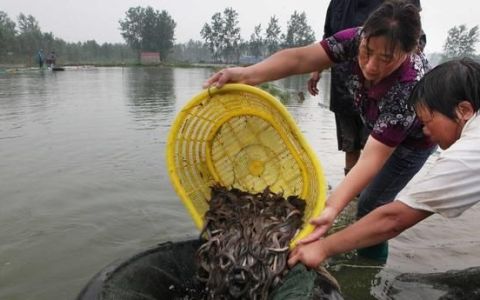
375, 61
441, 129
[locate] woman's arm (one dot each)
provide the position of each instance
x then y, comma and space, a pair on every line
381, 224
372, 159
281, 64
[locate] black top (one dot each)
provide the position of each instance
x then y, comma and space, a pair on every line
343, 14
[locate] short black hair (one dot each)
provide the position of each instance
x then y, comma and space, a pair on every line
448, 84
398, 21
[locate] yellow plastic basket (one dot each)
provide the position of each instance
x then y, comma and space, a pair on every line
241, 136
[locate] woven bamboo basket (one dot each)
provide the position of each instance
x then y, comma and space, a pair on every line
241, 136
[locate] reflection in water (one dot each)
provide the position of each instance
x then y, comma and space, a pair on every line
295, 85
297, 88
150, 89
151, 94
454, 284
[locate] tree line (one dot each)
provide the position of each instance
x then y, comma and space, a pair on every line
222, 36
147, 29
20, 41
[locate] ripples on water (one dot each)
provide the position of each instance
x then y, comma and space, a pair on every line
83, 178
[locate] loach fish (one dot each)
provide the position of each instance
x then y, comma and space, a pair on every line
247, 239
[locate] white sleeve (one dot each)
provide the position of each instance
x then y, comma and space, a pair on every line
451, 186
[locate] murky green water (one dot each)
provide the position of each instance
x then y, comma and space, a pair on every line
83, 181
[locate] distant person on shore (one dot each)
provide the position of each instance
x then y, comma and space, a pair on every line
40, 58
51, 59
447, 102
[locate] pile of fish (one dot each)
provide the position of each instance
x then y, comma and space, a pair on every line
247, 240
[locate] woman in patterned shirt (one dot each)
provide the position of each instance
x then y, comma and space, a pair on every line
384, 67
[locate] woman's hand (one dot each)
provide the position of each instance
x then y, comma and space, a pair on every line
312, 83
310, 254
229, 75
322, 225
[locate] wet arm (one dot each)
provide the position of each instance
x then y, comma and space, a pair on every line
371, 161
380, 225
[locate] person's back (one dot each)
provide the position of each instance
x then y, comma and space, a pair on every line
351, 133
343, 14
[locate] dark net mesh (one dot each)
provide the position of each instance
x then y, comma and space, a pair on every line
168, 272
165, 272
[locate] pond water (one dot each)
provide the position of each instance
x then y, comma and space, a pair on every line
83, 182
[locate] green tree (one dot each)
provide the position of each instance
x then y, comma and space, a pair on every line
7, 34
48, 41
132, 27
299, 33
90, 50
146, 29
461, 42
166, 33
231, 36
256, 43
27, 24
20, 47
192, 51
222, 36
30, 36
212, 34
273, 36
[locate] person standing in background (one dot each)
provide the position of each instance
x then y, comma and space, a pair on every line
351, 132
40, 58
51, 59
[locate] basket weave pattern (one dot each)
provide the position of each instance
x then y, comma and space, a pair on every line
242, 137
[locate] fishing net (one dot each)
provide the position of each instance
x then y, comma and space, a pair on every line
168, 272
301, 283
242, 255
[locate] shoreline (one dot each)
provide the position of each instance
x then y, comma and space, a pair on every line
4, 66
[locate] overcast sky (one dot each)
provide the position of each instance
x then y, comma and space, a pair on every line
82, 20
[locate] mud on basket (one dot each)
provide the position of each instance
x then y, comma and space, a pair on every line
241, 136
